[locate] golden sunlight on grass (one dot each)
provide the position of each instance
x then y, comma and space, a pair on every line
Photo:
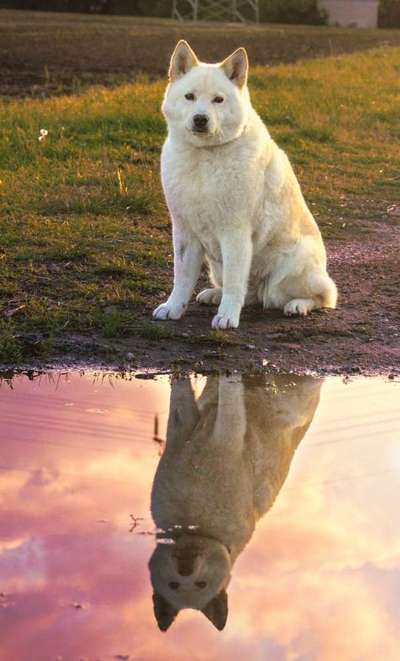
85, 235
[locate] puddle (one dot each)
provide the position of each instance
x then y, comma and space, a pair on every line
276, 502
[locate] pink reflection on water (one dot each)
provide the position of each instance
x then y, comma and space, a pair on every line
319, 579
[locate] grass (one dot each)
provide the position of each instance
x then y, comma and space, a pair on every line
85, 240
10, 349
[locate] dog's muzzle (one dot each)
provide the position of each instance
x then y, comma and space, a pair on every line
200, 124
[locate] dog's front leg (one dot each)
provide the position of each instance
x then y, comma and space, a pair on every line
183, 413
231, 423
188, 257
236, 261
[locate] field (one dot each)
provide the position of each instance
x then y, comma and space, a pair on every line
47, 53
85, 250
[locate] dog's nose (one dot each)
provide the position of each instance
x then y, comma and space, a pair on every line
186, 562
186, 566
200, 121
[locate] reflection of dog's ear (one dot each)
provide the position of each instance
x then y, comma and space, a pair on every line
217, 610
164, 613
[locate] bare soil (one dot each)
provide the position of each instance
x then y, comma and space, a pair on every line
108, 50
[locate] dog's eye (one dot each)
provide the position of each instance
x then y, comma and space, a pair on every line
218, 99
189, 96
173, 585
201, 584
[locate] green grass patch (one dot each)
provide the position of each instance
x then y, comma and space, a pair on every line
155, 331
10, 348
221, 338
112, 323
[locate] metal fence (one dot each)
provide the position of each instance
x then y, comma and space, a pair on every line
216, 10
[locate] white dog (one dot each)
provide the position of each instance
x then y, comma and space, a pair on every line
227, 455
234, 200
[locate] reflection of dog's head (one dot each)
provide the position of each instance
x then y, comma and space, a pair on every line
206, 104
190, 572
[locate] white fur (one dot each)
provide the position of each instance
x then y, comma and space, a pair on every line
227, 455
234, 200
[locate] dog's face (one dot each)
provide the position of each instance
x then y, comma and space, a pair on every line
191, 572
206, 104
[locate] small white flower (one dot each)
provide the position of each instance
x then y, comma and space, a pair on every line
42, 134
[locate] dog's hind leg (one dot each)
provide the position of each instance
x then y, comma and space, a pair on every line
300, 306
320, 292
210, 296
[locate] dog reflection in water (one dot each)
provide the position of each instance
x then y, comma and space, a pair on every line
226, 458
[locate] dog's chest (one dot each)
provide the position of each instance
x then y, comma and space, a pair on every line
202, 190
184, 495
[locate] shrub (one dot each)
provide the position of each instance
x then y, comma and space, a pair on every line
162, 8
135, 7
292, 11
389, 14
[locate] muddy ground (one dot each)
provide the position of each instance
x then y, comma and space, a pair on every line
362, 336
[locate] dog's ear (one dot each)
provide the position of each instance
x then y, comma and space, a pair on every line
236, 67
164, 613
182, 60
217, 610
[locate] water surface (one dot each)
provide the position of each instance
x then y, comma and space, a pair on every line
270, 506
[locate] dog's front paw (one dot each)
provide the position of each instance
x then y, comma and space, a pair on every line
169, 311
228, 314
226, 320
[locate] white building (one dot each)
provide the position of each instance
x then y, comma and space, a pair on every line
352, 13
